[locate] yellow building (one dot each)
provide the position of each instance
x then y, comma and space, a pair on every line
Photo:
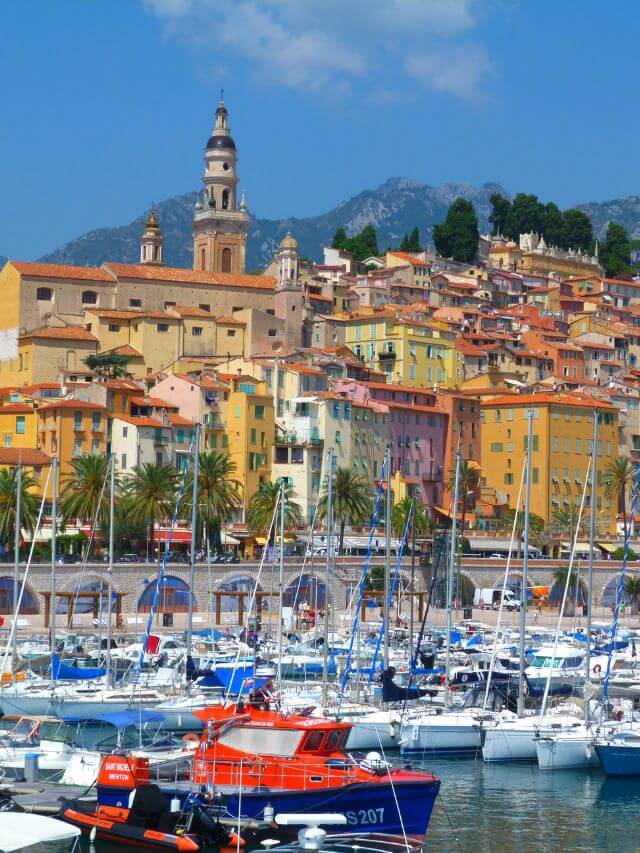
562, 435
248, 418
42, 355
35, 464
18, 425
420, 267
409, 352
70, 428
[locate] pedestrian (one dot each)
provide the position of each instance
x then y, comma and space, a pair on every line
437, 604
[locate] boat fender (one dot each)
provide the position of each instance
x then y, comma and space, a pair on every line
236, 840
190, 737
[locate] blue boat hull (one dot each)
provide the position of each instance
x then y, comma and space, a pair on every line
367, 807
619, 760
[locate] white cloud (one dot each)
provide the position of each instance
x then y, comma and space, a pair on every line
309, 45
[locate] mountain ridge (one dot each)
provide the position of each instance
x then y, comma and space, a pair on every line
394, 208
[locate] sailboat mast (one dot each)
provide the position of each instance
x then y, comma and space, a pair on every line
452, 562
194, 528
592, 533
387, 565
328, 577
112, 504
525, 561
54, 540
16, 560
281, 575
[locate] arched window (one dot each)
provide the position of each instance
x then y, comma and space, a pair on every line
155, 253
202, 259
226, 260
29, 605
89, 297
44, 294
243, 583
225, 199
83, 601
71, 359
306, 588
173, 596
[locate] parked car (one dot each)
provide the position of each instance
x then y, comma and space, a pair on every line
130, 558
232, 558
67, 559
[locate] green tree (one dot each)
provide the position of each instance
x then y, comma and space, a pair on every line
501, 207
526, 214
262, 506
632, 589
150, 493
28, 509
615, 254
536, 527
219, 491
351, 500
367, 243
339, 239
564, 521
399, 514
617, 479
575, 593
577, 231
108, 364
413, 241
84, 492
553, 231
469, 479
404, 244
457, 237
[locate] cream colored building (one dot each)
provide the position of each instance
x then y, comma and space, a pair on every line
44, 354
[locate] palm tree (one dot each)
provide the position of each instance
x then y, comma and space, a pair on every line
575, 589
218, 488
564, 521
28, 504
632, 588
468, 483
150, 494
617, 479
536, 526
262, 506
351, 500
85, 492
399, 514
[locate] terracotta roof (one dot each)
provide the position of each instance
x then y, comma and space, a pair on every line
124, 349
320, 298
410, 259
161, 315
30, 390
123, 384
202, 382
188, 276
296, 367
61, 271
226, 320
115, 313
140, 422
546, 399
64, 333
24, 455
179, 420
156, 402
71, 404
187, 311
16, 409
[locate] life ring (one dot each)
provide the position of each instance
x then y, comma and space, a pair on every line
190, 737
597, 669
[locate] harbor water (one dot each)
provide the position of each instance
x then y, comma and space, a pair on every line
516, 807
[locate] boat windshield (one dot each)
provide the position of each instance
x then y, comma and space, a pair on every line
262, 741
543, 662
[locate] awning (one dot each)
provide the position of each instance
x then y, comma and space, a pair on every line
260, 540
178, 535
442, 511
304, 400
228, 539
607, 547
475, 465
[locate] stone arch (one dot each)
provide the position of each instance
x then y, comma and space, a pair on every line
464, 586
31, 603
173, 597
308, 586
226, 198
607, 594
225, 260
87, 582
235, 582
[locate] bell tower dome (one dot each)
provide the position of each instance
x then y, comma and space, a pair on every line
220, 225
151, 242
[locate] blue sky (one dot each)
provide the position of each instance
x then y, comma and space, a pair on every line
107, 105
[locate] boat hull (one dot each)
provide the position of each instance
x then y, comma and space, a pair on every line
563, 753
371, 807
509, 744
619, 760
433, 735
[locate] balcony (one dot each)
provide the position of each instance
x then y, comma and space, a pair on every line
385, 354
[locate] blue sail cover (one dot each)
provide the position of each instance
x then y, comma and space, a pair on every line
62, 672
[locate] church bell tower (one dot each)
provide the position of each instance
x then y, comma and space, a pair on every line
220, 224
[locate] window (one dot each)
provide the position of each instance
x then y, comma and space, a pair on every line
496, 447
180, 436
271, 333
95, 421
566, 444
77, 447
44, 294
89, 297
114, 327
252, 439
338, 437
555, 444
225, 440
135, 303
508, 479
77, 420
169, 305
196, 331
231, 333
125, 432
20, 425
7, 439
534, 475
226, 253
259, 413
534, 443
497, 416
95, 446
412, 371
578, 446
163, 327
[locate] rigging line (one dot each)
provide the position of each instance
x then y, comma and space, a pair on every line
14, 622
620, 588
556, 638
163, 568
494, 651
363, 578
254, 593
